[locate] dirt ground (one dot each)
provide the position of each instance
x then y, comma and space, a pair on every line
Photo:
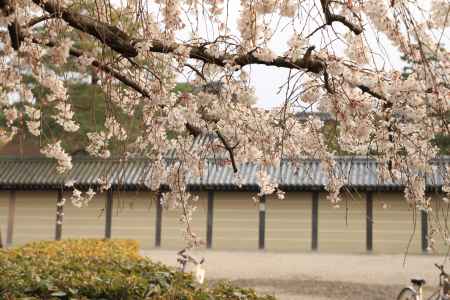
315, 276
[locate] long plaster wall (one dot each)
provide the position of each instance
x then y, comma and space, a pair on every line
235, 221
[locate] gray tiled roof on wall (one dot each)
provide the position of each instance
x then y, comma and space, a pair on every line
359, 173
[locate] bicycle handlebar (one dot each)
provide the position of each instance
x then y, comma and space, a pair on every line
441, 268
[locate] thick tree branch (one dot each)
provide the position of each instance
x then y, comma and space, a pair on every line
330, 18
119, 41
123, 44
7, 9
15, 35
367, 90
38, 20
110, 35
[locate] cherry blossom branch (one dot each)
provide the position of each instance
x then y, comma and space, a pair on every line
193, 130
330, 18
134, 85
110, 35
116, 74
17, 37
105, 68
119, 41
229, 148
38, 20
200, 74
123, 44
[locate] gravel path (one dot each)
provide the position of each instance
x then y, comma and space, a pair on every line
314, 276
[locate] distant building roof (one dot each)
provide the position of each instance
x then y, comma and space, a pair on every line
360, 173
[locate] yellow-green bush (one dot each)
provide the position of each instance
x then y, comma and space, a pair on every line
99, 269
80, 248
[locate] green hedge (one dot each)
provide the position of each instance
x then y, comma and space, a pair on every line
98, 269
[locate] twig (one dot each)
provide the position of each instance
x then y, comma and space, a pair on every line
196, 71
37, 20
229, 149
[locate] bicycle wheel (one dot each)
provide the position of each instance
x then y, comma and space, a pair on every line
407, 294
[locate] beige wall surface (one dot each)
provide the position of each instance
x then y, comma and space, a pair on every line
288, 222
396, 226
87, 221
4, 202
342, 227
172, 235
35, 216
235, 221
134, 217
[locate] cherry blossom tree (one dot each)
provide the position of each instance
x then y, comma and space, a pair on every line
337, 56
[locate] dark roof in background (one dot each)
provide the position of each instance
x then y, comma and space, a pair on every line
360, 173
17, 149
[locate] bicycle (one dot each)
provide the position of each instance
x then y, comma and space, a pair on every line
415, 292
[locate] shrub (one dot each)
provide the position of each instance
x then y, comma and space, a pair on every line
99, 269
